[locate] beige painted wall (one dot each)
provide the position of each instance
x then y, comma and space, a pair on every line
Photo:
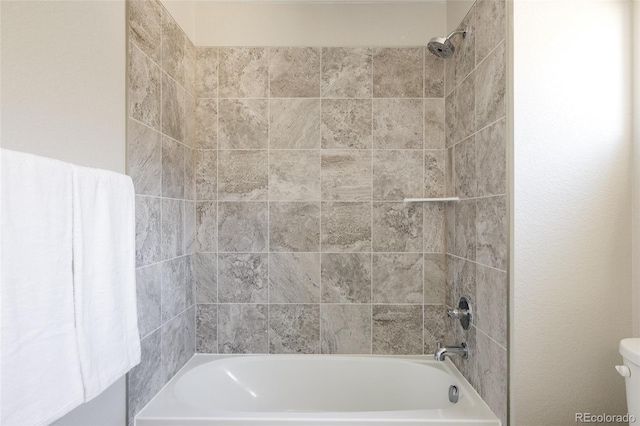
456, 11
63, 88
184, 13
573, 176
636, 168
63, 80
318, 24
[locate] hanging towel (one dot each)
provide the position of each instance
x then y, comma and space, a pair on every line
104, 276
41, 377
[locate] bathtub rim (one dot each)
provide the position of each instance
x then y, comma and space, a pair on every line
147, 416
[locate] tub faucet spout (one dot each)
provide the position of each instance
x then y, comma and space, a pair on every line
446, 351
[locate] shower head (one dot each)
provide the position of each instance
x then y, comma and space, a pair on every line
442, 46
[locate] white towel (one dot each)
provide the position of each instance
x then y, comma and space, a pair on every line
41, 377
104, 276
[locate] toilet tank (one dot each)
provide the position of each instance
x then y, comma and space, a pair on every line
630, 351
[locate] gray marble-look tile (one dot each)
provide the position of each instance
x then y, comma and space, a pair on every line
347, 72
459, 112
449, 228
144, 158
434, 173
243, 329
346, 278
148, 290
190, 282
190, 287
243, 175
346, 123
207, 72
398, 72
491, 26
449, 282
145, 81
189, 66
464, 280
346, 227
145, 26
464, 164
294, 175
294, 72
243, 278
397, 278
434, 124
174, 281
492, 372
145, 379
173, 109
242, 227
206, 226
465, 229
490, 88
206, 123
434, 318
173, 47
398, 123
189, 227
492, 304
243, 72
397, 174
294, 123
294, 329
207, 328
492, 160
172, 228
463, 62
433, 76
294, 278
449, 177
190, 174
172, 168
434, 227
434, 278
206, 174
294, 227
242, 124
346, 329
468, 367
189, 124
148, 230
346, 175
492, 232
206, 265
174, 347
397, 329
190, 327
397, 227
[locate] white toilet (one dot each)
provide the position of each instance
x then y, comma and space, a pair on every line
630, 351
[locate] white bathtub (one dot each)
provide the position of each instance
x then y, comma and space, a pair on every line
310, 390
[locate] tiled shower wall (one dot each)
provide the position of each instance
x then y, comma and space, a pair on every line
476, 227
304, 156
160, 157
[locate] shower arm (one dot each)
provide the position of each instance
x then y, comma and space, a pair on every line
462, 31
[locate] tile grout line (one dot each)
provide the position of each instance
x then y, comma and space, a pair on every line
373, 143
320, 212
218, 328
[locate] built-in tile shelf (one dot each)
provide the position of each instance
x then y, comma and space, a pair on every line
431, 200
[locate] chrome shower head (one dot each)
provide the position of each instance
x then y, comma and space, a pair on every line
442, 46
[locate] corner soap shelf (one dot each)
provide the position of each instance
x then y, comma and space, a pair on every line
431, 200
